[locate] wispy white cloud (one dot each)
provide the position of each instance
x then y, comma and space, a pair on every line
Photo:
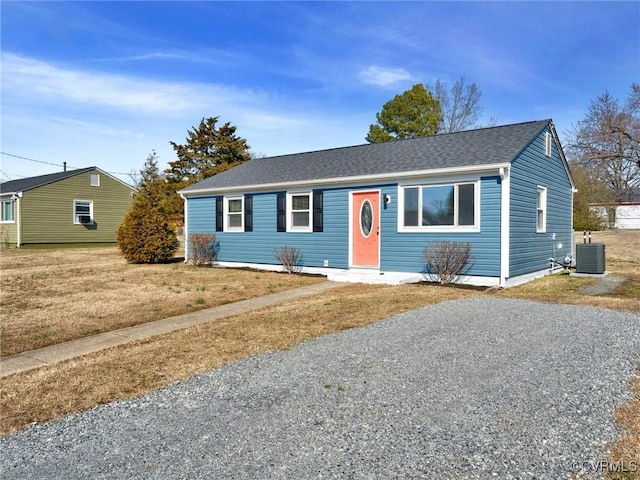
38, 81
155, 56
114, 120
384, 77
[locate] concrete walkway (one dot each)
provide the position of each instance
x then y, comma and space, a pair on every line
75, 348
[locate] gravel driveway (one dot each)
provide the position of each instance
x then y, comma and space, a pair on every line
472, 388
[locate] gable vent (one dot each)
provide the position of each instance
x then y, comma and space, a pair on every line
547, 144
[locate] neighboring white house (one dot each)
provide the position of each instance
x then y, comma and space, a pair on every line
621, 215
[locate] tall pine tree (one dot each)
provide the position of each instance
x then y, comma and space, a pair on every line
208, 150
412, 114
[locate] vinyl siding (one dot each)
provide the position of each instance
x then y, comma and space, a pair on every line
257, 246
48, 216
531, 251
8, 233
399, 251
403, 252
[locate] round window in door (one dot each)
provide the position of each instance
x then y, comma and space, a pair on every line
366, 218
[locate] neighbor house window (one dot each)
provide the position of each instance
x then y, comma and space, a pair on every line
547, 144
299, 205
94, 180
7, 211
83, 212
439, 207
541, 210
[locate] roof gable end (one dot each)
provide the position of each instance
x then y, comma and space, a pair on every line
25, 184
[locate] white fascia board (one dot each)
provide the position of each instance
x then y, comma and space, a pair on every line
355, 180
565, 164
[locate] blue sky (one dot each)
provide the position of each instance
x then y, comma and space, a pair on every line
104, 83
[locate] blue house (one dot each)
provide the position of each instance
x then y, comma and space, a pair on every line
370, 210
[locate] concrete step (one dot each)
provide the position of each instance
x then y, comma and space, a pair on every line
373, 277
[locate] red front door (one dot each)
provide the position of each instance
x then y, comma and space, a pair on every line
365, 229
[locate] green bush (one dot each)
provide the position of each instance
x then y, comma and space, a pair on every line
586, 219
145, 235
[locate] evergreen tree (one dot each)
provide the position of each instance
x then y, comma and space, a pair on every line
145, 235
208, 150
590, 190
148, 172
415, 113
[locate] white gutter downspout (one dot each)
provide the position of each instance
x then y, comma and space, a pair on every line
505, 208
18, 219
573, 233
184, 230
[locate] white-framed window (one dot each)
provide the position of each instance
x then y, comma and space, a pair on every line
541, 210
439, 207
547, 144
83, 212
299, 211
94, 179
234, 214
7, 213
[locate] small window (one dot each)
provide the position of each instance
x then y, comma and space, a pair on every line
82, 212
94, 180
299, 212
234, 209
366, 218
547, 144
7, 211
541, 210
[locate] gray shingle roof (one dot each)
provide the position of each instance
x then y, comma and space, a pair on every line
494, 145
24, 184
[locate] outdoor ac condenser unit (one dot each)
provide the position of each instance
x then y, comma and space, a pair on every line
590, 258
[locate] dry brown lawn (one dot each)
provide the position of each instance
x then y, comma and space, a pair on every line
627, 449
94, 276
622, 257
53, 296
140, 367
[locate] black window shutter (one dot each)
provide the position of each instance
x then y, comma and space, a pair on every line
219, 214
248, 213
282, 212
317, 211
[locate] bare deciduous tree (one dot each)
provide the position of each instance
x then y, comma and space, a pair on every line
461, 108
607, 143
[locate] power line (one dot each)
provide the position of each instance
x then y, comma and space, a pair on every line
54, 164
31, 159
11, 176
5, 174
